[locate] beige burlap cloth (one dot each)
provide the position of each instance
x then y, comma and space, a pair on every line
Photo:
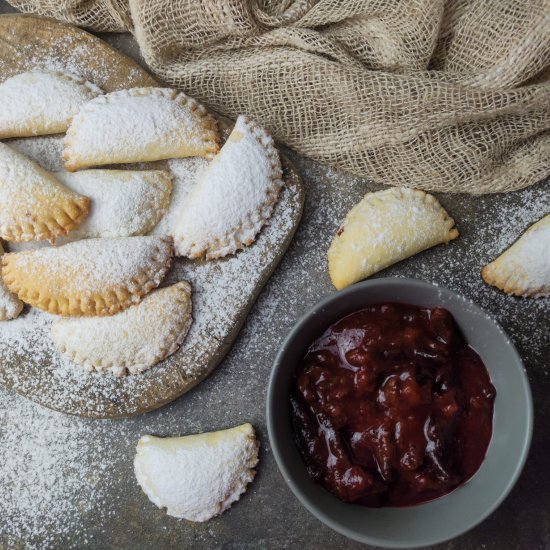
441, 95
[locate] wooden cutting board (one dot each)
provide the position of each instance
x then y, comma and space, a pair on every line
223, 290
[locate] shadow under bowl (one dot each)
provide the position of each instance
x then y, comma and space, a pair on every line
469, 504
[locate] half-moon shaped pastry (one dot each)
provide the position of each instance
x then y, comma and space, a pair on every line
88, 277
234, 196
186, 173
124, 202
138, 125
197, 477
524, 269
37, 103
133, 340
10, 305
384, 228
34, 205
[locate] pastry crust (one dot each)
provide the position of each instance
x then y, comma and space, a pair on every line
234, 196
132, 341
524, 269
124, 202
38, 103
384, 228
10, 305
197, 477
139, 125
88, 277
34, 205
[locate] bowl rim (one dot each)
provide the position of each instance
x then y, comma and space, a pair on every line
278, 451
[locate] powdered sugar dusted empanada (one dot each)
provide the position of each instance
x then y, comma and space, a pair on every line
88, 277
524, 269
10, 305
34, 205
197, 477
41, 102
234, 196
138, 125
47, 151
186, 173
133, 340
384, 228
124, 202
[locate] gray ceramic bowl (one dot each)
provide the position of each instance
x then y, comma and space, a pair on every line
469, 504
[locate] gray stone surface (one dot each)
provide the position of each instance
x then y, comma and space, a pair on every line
116, 514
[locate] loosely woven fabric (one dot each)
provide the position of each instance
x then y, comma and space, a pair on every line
440, 95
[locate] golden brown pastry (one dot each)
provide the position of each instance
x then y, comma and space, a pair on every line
131, 341
524, 269
10, 305
88, 277
384, 228
34, 205
37, 103
124, 202
138, 125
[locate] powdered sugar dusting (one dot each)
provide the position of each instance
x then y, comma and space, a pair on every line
524, 269
197, 477
533, 255
46, 491
74, 53
137, 125
41, 102
89, 266
233, 198
10, 305
26, 188
48, 502
124, 202
220, 290
135, 339
45, 150
488, 225
185, 172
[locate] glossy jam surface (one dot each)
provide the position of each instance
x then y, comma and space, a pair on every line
391, 407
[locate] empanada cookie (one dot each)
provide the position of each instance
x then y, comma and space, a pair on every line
124, 202
524, 269
384, 228
139, 125
135, 339
197, 477
37, 103
88, 277
185, 172
10, 305
34, 205
234, 196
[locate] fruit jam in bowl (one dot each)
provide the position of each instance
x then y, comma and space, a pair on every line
399, 413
